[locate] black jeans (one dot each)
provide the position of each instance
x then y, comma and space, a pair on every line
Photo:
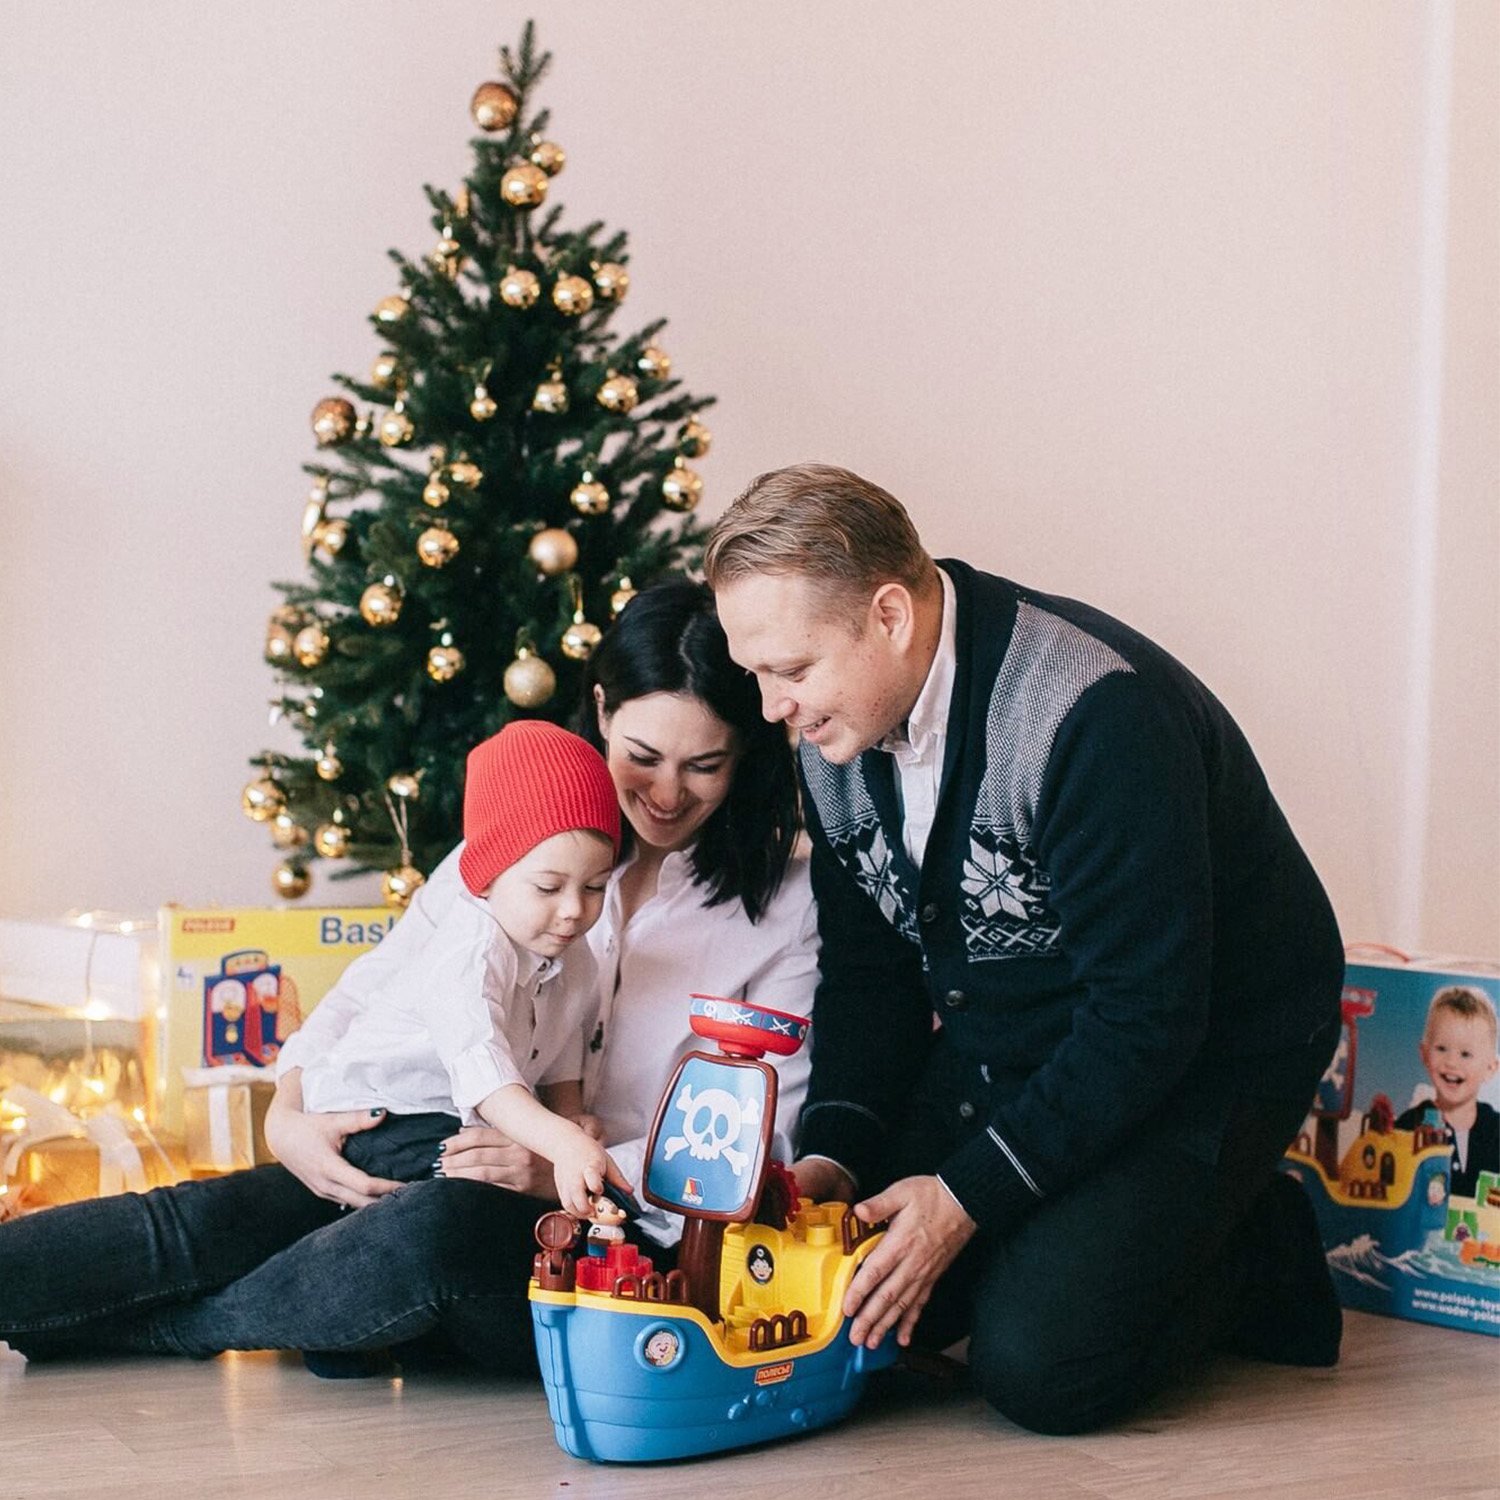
1110, 1290
256, 1261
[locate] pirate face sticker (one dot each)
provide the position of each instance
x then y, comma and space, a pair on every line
660, 1349
760, 1265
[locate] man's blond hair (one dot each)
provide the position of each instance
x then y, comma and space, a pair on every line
1465, 1001
824, 523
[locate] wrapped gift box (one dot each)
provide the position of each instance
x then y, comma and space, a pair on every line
1406, 1233
224, 1118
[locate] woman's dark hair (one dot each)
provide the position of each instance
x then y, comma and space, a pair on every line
668, 640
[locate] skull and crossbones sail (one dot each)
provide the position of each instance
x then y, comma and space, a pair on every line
712, 1121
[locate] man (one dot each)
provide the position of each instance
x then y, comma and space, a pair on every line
1033, 825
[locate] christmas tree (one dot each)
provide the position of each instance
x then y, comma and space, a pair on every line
513, 479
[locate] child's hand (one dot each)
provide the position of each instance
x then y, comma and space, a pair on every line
580, 1169
591, 1125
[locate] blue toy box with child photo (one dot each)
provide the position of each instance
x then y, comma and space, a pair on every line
1401, 1152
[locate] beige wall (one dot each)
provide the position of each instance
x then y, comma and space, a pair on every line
1187, 310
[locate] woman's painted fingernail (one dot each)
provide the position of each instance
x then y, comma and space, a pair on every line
437, 1169
442, 1148
375, 1114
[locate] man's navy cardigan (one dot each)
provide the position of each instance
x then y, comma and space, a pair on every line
1110, 898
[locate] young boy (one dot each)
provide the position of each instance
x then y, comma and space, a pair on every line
1458, 1050
483, 991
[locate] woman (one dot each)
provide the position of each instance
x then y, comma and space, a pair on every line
707, 896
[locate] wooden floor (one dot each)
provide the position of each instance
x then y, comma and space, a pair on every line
1412, 1413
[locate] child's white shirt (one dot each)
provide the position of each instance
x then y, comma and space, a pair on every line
444, 1011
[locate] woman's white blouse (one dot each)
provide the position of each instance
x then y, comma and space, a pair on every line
443, 1012
672, 948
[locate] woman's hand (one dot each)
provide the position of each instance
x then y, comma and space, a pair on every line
310, 1146
484, 1154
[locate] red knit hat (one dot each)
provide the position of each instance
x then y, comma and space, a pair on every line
525, 784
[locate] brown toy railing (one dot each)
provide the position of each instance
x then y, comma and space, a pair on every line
778, 1330
673, 1287
854, 1231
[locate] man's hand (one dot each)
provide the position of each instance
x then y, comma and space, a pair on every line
311, 1146
927, 1230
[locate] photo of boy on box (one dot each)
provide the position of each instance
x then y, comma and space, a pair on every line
479, 1013
1458, 1049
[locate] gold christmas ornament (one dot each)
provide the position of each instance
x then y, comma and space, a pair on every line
519, 288
529, 681
682, 488
278, 643
435, 492
620, 598
613, 281
333, 421
331, 841
494, 106
549, 156
696, 439
444, 663
396, 427
398, 886
588, 497
619, 393
572, 296
551, 396
524, 186
384, 371
310, 644
290, 881
328, 766
332, 537
262, 799
465, 473
553, 551
580, 638
437, 546
312, 512
287, 615
447, 255
655, 363
405, 784
394, 308
287, 832
482, 407
380, 604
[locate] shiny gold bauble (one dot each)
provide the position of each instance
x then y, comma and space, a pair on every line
588, 497
398, 886
655, 363
572, 296
385, 369
328, 766
310, 645
696, 439
262, 799
332, 536
551, 397
392, 309
613, 281
435, 492
465, 473
287, 832
278, 642
380, 604
288, 616
447, 256
332, 841
437, 546
549, 156
444, 663
494, 106
396, 428
482, 407
553, 551
529, 681
333, 421
404, 784
682, 488
620, 598
579, 640
290, 881
519, 288
524, 186
619, 393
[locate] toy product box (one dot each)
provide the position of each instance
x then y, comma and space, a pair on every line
235, 983
1401, 1153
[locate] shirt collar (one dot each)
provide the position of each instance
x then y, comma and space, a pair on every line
929, 714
